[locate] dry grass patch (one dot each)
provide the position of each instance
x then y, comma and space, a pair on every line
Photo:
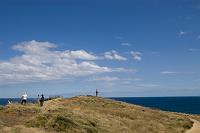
87, 114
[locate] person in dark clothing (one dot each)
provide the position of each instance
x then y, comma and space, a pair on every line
97, 93
42, 100
38, 99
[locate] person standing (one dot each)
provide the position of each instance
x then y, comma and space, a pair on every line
9, 102
24, 98
97, 93
38, 99
42, 100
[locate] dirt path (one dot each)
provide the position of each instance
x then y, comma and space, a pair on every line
195, 128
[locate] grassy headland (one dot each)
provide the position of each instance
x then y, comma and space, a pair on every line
90, 114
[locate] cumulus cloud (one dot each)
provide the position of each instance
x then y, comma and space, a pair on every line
40, 61
136, 55
113, 55
42, 48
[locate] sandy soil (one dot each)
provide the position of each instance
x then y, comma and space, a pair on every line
195, 128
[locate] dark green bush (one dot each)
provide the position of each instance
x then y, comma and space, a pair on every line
61, 123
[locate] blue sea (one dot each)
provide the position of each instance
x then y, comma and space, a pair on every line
4, 101
190, 105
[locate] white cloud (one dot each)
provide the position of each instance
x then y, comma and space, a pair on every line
148, 85
40, 48
117, 80
40, 62
81, 54
168, 72
105, 78
198, 37
194, 50
136, 55
33, 47
119, 37
181, 33
113, 55
126, 44
174, 72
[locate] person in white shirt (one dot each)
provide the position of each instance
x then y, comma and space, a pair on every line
9, 102
24, 98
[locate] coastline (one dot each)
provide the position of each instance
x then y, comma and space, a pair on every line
165, 103
92, 114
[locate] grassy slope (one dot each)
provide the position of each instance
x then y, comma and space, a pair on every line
90, 114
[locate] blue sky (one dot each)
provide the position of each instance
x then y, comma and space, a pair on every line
121, 47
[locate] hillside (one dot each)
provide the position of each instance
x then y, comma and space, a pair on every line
90, 114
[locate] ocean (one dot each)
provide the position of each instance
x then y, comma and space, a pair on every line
190, 105
4, 101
